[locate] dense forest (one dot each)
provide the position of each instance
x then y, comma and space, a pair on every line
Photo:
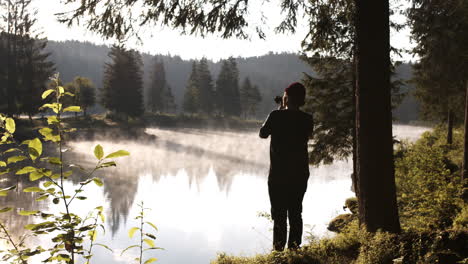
271, 72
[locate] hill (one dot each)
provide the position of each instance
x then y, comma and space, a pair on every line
271, 72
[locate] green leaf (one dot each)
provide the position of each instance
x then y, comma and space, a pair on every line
107, 164
98, 182
153, 248
81, 197
33, 189
47, 93
27, 212
10, 125
52, 120
54, 106
132, 246
47, 184
150, 235
119, 153
150, 260
98, 152
46, 131
11, 150
132, 231
56, 200
101, 215
92, 235
72, 109
30, 226
2, 164
6, 209
27, 169
149, 242
104, 246
54, 161
15, 159
35, 175
41, 198
61, 90
49, 135
4, 191
35, 148
153, 225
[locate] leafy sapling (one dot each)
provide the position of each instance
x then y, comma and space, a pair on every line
147, 238
68, 230
98, 219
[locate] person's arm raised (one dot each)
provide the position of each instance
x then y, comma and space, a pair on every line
266, 129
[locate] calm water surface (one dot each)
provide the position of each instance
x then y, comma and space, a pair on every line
205, 189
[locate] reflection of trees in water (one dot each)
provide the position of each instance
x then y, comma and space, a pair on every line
19, 200
120, 185
196, 151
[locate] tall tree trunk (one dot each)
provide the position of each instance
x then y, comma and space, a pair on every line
450, 127
376, 177
355, 173
464, 175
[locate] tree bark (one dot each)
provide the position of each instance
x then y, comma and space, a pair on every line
376, 177
464, 172
450, 127
355, 173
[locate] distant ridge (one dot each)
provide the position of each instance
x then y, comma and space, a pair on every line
271, 72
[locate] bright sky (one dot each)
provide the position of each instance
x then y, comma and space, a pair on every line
167, 41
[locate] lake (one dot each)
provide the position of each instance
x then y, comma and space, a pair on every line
205, 189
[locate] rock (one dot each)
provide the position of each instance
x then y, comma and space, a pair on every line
338, 223
352, 205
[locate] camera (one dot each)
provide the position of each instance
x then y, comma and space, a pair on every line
278, 99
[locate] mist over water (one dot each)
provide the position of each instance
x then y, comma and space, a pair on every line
205, 188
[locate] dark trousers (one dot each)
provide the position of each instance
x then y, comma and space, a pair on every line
286, 203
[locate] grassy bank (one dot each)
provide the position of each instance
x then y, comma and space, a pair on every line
433, 217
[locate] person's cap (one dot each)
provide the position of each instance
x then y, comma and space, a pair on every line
296, 90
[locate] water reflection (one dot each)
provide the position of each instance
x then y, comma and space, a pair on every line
18, 200
204, 187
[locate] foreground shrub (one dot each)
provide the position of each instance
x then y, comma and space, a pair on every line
428, 184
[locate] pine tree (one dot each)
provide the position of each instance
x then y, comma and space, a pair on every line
158, 85
169, 101
36, 70
227, 88
440, 30
123, 83
192, 95
205, 87
133, 103
330, 99
3, 74
376, 173
113, 70
25, 68
250, 98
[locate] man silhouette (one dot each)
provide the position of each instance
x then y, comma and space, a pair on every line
290, 129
